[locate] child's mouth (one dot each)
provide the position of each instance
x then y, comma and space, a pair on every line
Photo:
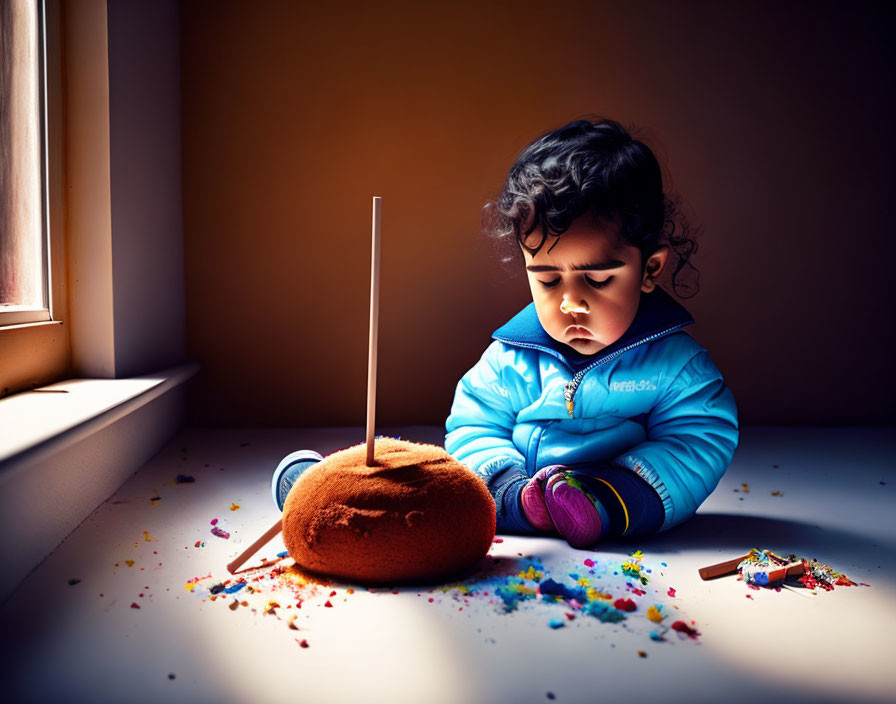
577, 332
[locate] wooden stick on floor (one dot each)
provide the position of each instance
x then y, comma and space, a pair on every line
374, 323
723, 568
256, 546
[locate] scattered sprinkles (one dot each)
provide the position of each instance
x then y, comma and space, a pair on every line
763, 568
606, 590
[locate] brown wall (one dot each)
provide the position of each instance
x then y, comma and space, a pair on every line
775, 123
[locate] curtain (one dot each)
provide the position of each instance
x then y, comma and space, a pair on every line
21, 245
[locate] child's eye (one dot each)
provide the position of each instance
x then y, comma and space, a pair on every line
549, 284
597, 284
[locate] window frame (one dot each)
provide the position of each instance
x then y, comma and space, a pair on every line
16, 315
35, 347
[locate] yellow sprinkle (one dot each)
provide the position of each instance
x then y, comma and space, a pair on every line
531, 573
146, 536
583, 581
654, 614
189, 586
129, 563
234, 507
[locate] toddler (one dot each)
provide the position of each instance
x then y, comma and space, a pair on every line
592, 413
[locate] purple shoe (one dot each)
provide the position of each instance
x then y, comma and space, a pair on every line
572, 510
532, 499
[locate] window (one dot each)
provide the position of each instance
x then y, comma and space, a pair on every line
24, 256
35, 346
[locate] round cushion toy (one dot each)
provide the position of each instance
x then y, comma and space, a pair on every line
417, 515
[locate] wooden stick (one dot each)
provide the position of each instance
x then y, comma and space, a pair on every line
793, 569
256, 546
374, 323
722, 568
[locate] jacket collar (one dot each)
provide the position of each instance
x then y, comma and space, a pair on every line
658, 314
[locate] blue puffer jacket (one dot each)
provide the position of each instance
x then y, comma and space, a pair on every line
652, 402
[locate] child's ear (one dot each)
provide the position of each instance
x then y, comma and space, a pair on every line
656, 262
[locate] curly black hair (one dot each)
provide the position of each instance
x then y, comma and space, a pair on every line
589, 166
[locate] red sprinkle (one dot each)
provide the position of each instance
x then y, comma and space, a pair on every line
625, 605
135, 605
328, 604
303, 643
682, 627
588, 562
671, 591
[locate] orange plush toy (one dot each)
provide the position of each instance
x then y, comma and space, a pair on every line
416, 515
384, 512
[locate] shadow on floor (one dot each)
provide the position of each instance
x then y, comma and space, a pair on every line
707, 531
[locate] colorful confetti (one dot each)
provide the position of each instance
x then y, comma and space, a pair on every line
763, 568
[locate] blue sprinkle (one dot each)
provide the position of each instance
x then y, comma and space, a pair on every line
603, 612
555, 623
282, 554
551, 588
656, 636
664, 564
648, 570
235, 588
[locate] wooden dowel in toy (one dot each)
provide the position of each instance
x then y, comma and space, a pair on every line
256, 546
722, 568
374, 323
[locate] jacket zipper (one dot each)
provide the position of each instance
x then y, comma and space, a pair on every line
569, 390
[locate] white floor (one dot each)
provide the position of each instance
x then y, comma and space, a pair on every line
84, 642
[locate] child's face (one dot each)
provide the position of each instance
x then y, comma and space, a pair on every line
579, 302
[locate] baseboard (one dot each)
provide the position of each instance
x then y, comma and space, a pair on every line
48, 487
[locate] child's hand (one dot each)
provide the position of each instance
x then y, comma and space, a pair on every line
575, 512
532, 499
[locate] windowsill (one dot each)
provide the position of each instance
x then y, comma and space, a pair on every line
36, 423
33, 324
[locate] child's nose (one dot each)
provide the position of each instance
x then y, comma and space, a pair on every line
567, 306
